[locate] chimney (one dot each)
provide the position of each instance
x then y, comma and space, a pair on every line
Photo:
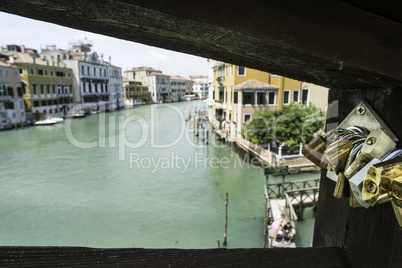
33, 60
101, 61
110, 60
11, 59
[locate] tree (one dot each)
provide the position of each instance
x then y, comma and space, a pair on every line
292, 125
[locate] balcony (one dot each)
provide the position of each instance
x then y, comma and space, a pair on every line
6, 98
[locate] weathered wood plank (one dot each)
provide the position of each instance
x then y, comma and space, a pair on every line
90, 257
326, 42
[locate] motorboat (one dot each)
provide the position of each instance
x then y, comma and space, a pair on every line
78, 114
48, 121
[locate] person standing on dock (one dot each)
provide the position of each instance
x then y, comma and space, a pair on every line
276, 225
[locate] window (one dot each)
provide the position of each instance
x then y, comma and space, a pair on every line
40, 72
241, 71
271, 98
248, 98
231, 70
295, 95
34, 89
46, 72
54, 89
36, 103
51, 73
235, 97
247, 117
21, 71
226, 71
61, 74
286, 97
32, 71
42, 90
221, 93
305, 96
260, 98
82, 69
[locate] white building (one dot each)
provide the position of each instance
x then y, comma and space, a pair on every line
96, 84
158, 84
200, 85
178, 85
116, 86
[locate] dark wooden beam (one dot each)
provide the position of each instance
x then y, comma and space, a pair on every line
128, 257
327, 42
371, 237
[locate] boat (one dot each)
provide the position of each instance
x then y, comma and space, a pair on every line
48, 121
57, 119
191, 97
94, 111
78, 114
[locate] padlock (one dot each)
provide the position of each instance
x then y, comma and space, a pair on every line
353, 201
397, 199
341, 187
314, 151
337, 154
371, 185
378, 144
377, 182
356, 174
360, 161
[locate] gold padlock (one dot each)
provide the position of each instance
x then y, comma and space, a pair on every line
314, 151
361, 160
377, 183
341, 187
397, 199
337, 154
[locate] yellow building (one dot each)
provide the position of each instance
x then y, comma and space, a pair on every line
135, 92
47, 88
239, 91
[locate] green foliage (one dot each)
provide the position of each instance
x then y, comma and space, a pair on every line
292, 125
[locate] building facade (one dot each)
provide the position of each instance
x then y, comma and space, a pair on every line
135, 92
47, 86
12, 107
97, 85
200, 86
237, 92
179, 86
158, 83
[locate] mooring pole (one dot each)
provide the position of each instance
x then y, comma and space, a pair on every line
264, 245
226, 220
219, 243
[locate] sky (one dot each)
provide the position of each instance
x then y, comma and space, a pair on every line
125, 54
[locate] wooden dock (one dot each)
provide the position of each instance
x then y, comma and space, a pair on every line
289, 199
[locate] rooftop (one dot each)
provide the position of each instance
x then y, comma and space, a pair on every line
255, 85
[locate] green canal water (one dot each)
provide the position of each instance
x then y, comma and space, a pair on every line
131, 178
